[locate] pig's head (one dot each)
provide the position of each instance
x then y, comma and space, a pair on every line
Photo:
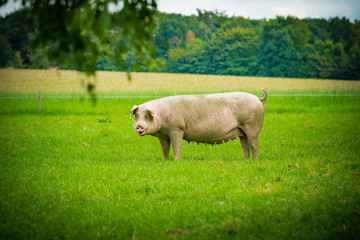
145, 120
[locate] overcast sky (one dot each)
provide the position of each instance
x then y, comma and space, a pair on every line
254, 9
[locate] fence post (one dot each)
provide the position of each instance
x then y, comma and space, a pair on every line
40, 101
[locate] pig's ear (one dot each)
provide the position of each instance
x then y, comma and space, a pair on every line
153, 113
133, 110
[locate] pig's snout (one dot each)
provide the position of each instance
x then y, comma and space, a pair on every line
140, 130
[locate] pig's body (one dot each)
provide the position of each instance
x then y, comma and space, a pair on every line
211, 118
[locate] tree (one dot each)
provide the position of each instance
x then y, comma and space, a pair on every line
17, 60
341, 31
235, 52
6, 52
190, 35
85, 35
330, 59
75, 31
300, 34
319, 28
38, 59
213, 19
277, 53
232, 52
13, 29
354, 54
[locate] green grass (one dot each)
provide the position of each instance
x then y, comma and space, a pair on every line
68, 173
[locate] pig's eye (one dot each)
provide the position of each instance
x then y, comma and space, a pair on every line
136, 115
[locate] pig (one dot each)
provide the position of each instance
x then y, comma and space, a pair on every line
208, 118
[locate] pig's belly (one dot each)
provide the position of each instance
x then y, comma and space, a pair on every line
212, 134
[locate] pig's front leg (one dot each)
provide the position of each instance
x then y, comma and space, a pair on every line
165, 145
176, 141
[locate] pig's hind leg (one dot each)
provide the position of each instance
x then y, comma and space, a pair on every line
252, 134
245, 145
254, 147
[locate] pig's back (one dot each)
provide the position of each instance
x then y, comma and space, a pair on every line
210, 104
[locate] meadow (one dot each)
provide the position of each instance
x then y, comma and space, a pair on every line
77, 170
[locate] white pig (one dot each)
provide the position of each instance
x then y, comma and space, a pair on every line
208, 118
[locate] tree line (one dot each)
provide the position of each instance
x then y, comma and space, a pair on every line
211, 42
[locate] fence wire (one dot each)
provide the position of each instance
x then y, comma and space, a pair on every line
160, 96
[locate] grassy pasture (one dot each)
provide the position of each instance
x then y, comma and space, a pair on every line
74, 172
70, 82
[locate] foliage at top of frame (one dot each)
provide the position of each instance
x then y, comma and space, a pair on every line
77, 31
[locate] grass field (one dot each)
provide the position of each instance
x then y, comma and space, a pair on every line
70, 82
78, 171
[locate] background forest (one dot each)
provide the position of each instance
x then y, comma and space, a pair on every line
213, 43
